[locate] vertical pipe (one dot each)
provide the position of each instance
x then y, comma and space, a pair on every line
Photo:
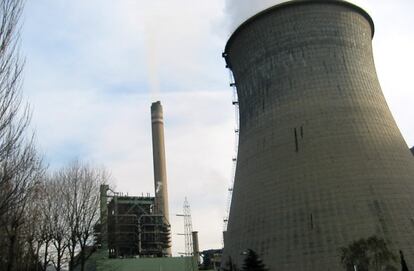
160, 172
196, 250
104, 216
116, 227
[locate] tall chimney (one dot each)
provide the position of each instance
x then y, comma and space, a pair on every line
160, 172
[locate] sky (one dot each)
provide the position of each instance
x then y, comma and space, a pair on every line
93, 68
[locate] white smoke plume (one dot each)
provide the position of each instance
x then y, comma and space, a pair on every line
159, 184
152, 61
240, 10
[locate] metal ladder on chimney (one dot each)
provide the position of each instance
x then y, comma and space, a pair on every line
235, 102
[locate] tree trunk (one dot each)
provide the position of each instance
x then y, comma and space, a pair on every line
37, 257
45, 257
10, 259
59, 254
72, 258
58, 263
82, 255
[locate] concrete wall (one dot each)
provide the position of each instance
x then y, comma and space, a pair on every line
321, 161
148, 264
99, 261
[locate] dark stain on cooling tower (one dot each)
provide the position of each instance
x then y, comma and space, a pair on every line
309, 64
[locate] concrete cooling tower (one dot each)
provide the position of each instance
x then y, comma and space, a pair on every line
321, 161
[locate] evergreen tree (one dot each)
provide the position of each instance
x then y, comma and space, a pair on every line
252, 262
230, 266
402, 260
368, 254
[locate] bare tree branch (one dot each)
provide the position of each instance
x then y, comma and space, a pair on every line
81, 195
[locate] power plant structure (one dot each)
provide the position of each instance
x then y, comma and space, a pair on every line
133, 228
321, 162
138, 226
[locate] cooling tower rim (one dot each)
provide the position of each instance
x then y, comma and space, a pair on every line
297, 3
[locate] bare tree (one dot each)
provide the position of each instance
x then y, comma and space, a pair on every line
27, 169
19, 162
58, 224
36, 230
81, 196
62, 218
14, 118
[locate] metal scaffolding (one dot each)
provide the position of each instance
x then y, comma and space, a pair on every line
130, 228
188, 229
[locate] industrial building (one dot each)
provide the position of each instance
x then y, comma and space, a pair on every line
321, 162
133, 232
134, 228
211, 259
